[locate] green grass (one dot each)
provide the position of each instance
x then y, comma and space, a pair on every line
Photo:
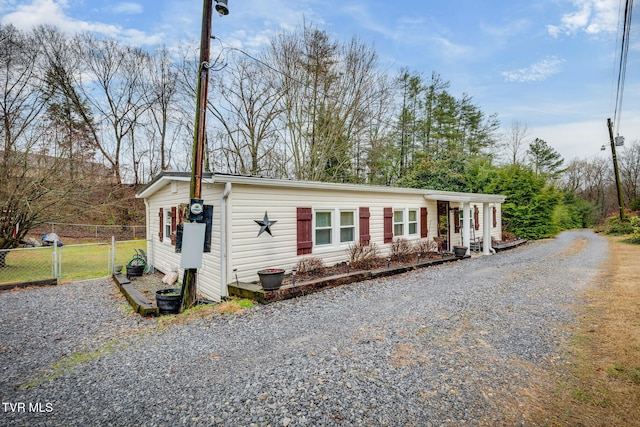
87, 261
68, 363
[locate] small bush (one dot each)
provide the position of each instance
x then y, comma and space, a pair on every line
362, 256
310, 265
507, 236
401, 250
424, 246
618, 227
635, 205
635, 237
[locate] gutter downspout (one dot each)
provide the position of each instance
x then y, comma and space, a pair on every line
151, 255
225, 226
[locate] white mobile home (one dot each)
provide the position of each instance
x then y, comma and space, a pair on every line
305, 219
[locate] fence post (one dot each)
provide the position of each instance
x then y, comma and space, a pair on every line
113, 254
55, 258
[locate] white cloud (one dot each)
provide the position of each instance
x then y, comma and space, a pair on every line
53, 12
128, 8
539, 71
590, 16
38, 12
452, 51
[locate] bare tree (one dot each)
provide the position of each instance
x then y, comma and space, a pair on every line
112, 85
593, 181
161, 94
329, 88
33, 183
23, 92
629, 159
248, 109
515, 143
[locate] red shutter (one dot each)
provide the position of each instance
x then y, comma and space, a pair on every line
365, 233
456, 220
476, 217
495, 217
161, 223
305, 240
424, 224
388, 225
174, 217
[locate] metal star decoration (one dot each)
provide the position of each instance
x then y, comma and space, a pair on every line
265, 224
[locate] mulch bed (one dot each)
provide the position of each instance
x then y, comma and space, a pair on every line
375, 264
149, 283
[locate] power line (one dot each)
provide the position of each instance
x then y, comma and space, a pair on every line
622, 67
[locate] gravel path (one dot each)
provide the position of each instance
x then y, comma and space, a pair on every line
463, 343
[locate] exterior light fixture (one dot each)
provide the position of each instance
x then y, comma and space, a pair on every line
221, 7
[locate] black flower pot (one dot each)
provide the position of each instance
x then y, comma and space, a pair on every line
271, 278
168, 301
134, 271
460, 251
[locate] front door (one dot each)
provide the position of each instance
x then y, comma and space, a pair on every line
443, 224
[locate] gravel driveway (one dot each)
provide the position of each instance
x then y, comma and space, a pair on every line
447, 345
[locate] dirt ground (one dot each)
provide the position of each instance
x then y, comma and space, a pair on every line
602, 384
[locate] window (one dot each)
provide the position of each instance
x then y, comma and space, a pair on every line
347, 226
405, 222
324, 228
398, 222
413, 222
167, 225
334, 227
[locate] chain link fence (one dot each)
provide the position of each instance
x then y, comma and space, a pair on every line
92, 231
66, 263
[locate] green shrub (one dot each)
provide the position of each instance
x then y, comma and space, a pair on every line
635, 237
617, 227
635, 205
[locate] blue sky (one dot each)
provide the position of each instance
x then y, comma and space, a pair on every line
549, 64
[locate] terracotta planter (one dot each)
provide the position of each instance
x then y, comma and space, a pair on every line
271, 278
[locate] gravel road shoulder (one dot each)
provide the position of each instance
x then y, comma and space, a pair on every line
469, 342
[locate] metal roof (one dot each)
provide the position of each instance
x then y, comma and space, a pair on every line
210, 178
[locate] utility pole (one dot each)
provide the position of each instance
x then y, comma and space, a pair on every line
188, 295
615, 169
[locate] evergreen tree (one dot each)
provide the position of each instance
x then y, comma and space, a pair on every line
544, 159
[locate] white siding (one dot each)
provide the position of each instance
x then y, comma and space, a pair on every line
163, 255
247, 202
251, 252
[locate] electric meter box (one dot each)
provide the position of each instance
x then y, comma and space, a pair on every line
192, 243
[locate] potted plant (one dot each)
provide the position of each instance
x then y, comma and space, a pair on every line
137, 264
168, 300
460, 251
271, 278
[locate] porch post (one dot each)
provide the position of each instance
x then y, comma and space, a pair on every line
466, 226
486, 229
